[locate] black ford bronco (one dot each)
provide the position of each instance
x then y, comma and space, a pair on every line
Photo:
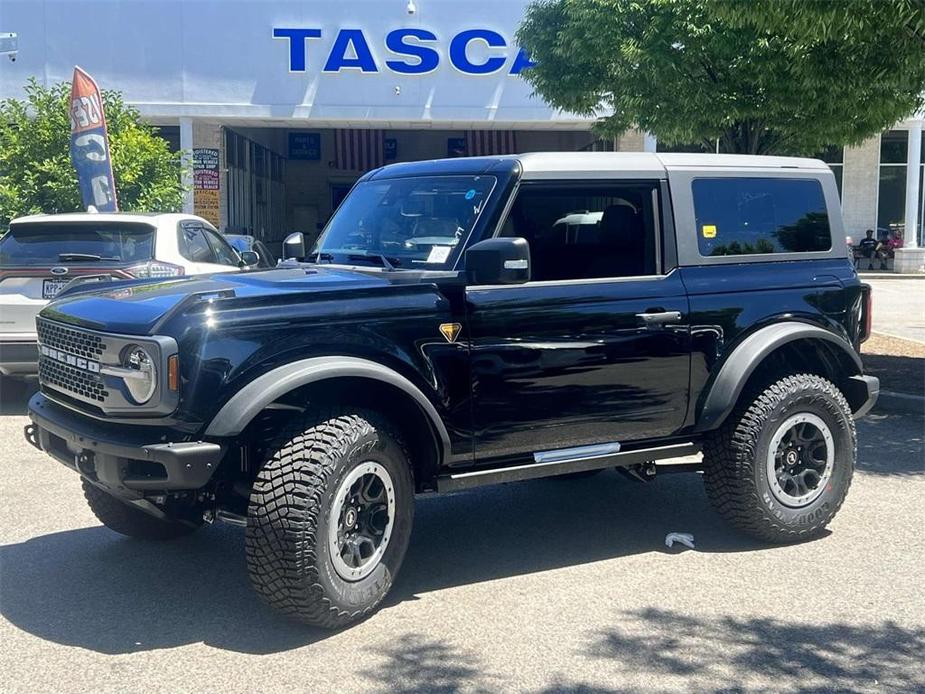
468, 322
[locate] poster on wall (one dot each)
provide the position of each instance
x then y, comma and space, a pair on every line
305, 146
456, 147
206, 198
390, 149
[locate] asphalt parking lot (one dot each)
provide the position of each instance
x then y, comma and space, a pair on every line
899, 306
542, 586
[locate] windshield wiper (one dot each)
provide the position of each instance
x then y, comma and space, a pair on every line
318, 257
65, 257
387, 263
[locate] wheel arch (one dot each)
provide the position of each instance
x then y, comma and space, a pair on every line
775, 350
344, 380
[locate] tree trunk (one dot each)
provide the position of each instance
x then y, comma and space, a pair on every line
746, 137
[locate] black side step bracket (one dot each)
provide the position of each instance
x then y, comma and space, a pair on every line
458, 481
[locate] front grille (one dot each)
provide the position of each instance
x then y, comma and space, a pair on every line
69, 361
76, 342
80, 368
72, 380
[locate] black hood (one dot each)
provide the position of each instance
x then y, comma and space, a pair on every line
138, 307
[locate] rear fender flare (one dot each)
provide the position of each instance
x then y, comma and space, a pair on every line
749, 355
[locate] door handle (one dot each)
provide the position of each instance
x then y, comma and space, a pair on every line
659, 317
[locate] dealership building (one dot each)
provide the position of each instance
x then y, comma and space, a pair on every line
284, 104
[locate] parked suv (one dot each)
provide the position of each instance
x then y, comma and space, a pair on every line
41, 254
470, 322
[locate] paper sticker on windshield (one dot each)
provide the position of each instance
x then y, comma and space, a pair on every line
439, 254
709, 231
470, 194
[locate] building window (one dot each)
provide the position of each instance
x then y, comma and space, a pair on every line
891, 204
171, 133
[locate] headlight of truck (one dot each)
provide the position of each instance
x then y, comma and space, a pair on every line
140, 373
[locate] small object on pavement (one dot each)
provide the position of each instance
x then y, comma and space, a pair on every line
685, 539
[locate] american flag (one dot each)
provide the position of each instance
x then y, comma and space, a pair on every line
359, 150
481, 143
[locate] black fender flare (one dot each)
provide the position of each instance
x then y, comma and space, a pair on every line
253, 398
748, 356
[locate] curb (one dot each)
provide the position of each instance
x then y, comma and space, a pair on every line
874, 275
900, 402
899, 337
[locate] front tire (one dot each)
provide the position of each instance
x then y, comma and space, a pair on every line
781, 465
330, 518
132, 522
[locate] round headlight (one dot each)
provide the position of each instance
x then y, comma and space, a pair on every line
141, 380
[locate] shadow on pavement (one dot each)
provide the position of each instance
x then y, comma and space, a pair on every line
15, 394
891, 444
417, 664
901, 374
94, 589
762, 654
741, 654
516, 529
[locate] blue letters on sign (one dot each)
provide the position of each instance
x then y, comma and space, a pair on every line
521, 62
296, 44
428, 59
338, 59
461, 42
351, 50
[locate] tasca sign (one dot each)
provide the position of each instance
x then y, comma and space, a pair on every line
409, 51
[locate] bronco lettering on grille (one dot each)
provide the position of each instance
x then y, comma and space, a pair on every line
70, 359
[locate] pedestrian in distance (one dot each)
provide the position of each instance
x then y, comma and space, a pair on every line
871, 248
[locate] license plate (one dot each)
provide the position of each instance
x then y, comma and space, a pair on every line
50, 288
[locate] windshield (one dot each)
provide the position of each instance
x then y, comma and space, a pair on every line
50, 243
405, 223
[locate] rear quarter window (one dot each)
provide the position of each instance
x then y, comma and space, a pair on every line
748, 216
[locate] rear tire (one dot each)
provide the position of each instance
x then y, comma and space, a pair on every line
781, 465
126, 520
330, 518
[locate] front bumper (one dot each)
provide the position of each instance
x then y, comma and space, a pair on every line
19, 357
126, 460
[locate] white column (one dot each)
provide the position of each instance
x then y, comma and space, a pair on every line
650, 144
186, 146
913, 183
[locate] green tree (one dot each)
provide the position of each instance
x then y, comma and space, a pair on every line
764, 76
36, 174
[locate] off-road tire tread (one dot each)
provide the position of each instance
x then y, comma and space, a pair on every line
729, 458
125, 520
284, 510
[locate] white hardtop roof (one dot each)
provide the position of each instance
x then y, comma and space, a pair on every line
105, 217
545, 164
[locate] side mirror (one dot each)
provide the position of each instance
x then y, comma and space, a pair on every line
294, 246
498, 261
249, 258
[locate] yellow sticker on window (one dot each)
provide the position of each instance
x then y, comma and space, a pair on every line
709, 231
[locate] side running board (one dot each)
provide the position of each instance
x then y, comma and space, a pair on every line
549, 464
